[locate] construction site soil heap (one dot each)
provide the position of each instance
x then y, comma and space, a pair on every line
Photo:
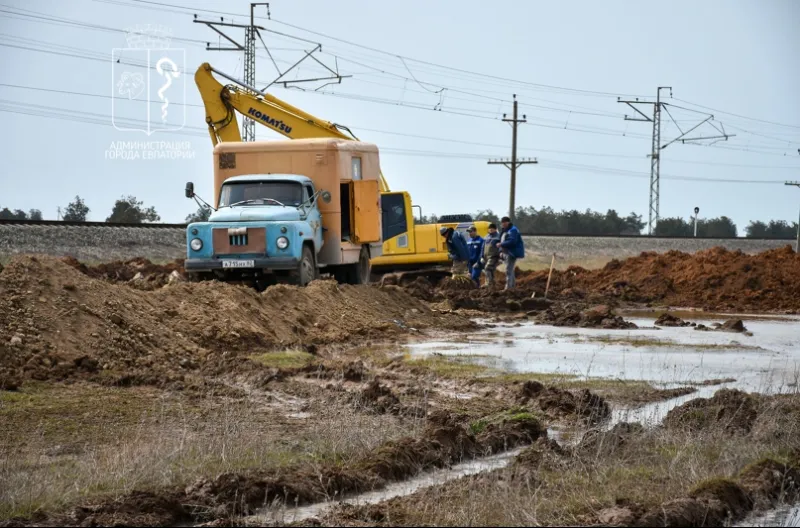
714, 279
57, 322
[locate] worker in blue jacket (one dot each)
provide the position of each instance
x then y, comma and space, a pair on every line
475, 247
512, 247
457, 248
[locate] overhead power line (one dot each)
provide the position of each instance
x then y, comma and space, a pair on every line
105, 120
187, 9
432, 138
540, 122
738, 115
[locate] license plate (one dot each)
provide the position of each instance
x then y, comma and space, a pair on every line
238, 263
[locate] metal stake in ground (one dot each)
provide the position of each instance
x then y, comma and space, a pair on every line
514, 163
797, 243
549, 275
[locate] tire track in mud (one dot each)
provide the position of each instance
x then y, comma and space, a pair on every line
761, 486
446, 440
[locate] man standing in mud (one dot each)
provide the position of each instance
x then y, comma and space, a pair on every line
512, 247
491, 254
457, 248
475, 247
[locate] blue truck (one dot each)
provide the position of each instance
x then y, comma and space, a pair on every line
269, 227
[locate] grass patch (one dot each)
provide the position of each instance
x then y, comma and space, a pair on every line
461, 367
65, 444
478, 426
652, 342
452, 366
285, 359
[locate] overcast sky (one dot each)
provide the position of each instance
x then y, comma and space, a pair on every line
430, 82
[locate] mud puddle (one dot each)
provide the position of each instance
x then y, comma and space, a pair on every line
284, 515
785, 516
652, 414
766, 362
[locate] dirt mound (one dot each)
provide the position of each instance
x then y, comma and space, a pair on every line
457, 283
596, 441
778, 419
731, 325
561, 403
544, 454
714, 279
667, 319
421, 288
56, 322
379, 397
769, 481
729, 409
715, 502
139, 273
570, 315
491, 300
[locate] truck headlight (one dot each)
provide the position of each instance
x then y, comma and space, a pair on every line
282, 242
196, 244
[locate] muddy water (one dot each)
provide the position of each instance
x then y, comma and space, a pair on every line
785, 516
767, 362
652, 414
283, 515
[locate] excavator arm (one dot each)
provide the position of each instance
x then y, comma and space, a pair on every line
223, 101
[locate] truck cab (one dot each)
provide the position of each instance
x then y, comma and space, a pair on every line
286, 211
262, 222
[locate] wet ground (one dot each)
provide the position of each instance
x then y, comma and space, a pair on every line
283, 515
783, 517
766, 362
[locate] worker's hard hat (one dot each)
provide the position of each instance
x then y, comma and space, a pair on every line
442, 230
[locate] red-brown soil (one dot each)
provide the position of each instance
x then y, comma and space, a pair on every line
714, 279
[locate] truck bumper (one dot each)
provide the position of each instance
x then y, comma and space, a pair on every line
259, 264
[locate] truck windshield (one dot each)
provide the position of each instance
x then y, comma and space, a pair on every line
261, 193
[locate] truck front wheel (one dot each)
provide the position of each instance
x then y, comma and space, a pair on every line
306, 269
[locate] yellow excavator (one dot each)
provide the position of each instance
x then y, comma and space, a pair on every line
407, 245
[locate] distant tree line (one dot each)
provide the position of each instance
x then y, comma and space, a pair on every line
19, 214
547, 221
126, 210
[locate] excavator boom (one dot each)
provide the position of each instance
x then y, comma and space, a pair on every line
222, 103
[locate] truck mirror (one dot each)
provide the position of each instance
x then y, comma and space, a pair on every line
326, 196
189, 190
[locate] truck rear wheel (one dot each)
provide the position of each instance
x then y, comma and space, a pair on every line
306, 268
359, 272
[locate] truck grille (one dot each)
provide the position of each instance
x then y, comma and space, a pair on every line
237, 240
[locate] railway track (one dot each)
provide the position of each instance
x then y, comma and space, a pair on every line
108, 225
97, 225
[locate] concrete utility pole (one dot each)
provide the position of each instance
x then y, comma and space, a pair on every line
514, 163
797, 243
696, 212
657, 147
